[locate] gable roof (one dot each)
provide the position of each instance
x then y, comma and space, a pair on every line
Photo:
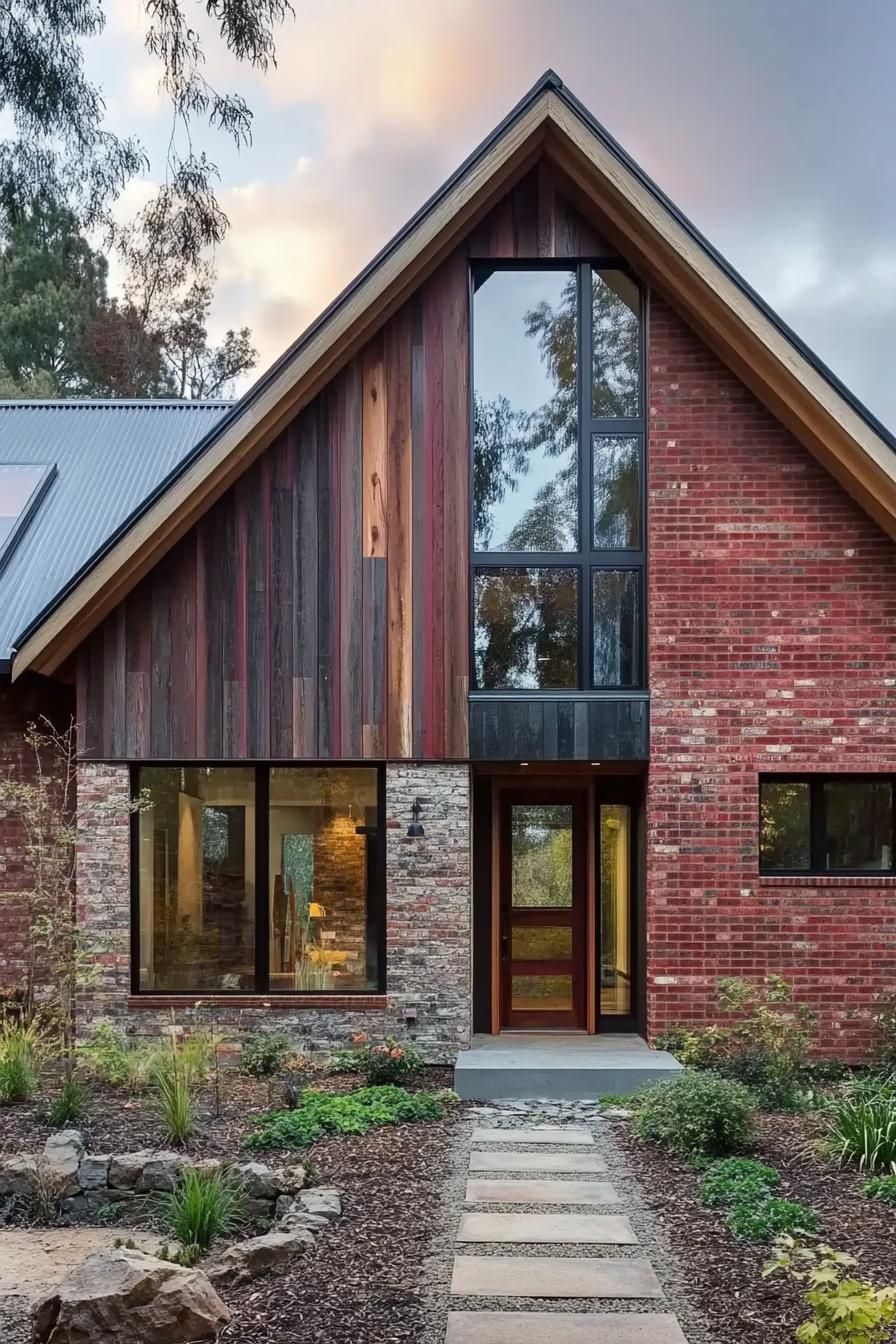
109, 457
638, 218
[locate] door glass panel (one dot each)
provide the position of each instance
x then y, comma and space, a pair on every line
615, 910
541, 993
541, 856
525, 411
541, 943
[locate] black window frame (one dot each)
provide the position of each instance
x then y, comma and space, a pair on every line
818, 824
376, 905
586, 558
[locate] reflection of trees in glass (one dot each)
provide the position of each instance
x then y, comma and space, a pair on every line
526, 628
615, 602
506, 441
617, 492
541, 838
784, 816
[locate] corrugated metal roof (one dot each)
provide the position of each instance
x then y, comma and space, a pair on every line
109, 456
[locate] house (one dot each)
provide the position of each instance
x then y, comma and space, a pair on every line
520, 651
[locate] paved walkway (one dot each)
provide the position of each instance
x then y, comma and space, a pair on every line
545, 1249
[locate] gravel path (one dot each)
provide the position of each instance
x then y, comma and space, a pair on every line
652, 1241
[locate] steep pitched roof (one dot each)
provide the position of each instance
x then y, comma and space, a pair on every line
637, 217
109, 457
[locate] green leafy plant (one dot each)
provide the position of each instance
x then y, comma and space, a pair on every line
265, 1052
862, 1125
694, 1047
70, 1104
203, 1206
696, 1115
844, 1309
385, 1061
114, 1061
320, 1113
764, 1219
21, 1052
884, 1020
174, 1102
882, 1188
734, 1180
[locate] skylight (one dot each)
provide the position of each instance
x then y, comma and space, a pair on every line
22, 487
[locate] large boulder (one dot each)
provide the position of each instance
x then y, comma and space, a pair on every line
258, 1180
93, 1172
62, 1158
126, 1169
122, 1294
248, 1259
161, 1172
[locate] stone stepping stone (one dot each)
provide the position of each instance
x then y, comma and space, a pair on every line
541, 1192
543, 1134
568, 1164
545, 1276
553, 1327
583, 1229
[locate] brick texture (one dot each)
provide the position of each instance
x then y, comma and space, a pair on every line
772, 601
428, 924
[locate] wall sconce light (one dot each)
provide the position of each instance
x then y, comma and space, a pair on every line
415, 830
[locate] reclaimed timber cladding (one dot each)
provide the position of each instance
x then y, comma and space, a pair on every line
320, 609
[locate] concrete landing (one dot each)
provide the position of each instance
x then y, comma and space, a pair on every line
565, 1067
548, 1327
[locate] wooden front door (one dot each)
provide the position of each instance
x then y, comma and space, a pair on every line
543, 955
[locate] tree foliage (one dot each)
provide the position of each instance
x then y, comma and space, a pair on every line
60, 147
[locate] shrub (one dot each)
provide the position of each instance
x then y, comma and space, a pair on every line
203, 1205
882, 1188
765, 1219
70, 1104
386, 1062
21, 1050
862, 1126
734, 1180
884, 1019
172, 1083
265, 1052
114, 1061
320, 1113
694, 1047
696, 1114
844, 1310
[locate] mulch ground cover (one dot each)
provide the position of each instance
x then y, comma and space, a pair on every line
724, 1275
362, 1282
118, 1122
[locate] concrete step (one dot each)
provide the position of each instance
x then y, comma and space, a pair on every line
547, 1134
546, 1276
577, 1229
561, 1067
567, 1164
562, 1327
522, 1191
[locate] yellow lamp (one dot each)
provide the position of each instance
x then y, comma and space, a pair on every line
316, 911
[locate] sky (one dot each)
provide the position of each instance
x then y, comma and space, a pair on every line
770, 123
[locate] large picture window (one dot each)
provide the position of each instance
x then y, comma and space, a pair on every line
833, 824
557, 478
257, 879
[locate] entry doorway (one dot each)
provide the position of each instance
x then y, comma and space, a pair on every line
563, 888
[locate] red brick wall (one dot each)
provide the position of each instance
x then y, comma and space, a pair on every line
772, 601
20, 704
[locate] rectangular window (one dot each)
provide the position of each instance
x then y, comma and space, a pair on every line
838, 824
557, 477
526, 628
253, 879
617, 627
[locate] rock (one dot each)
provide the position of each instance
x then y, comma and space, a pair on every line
290, 1179
310, 1222
61, 1160
18, 1177
125, 1171
211, 1165
248, 1259
161, 1172
75, 1206
259, 1181
322, 1200
121, 1294
258, 1208
618, 1113
283, 1206
93, 1173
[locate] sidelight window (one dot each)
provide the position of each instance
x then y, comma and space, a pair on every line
557, 478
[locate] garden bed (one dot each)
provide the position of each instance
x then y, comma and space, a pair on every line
724, 1274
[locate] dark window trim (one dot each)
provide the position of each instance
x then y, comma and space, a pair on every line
817, 824
376, 903
45, 480
585, 558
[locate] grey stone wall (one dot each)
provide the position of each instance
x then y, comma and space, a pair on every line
428, 925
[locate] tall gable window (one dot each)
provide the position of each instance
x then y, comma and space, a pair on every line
557, 479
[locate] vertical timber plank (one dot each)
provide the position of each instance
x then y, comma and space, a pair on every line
374, 462
327, 615
397, 351
304, 659
282, 595
374, 729
350, 555
456, 441
137, 694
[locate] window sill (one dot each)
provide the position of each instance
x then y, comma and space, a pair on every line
274, 1002
828, 880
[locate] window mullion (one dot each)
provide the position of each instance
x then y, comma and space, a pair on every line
817, 827
262, 879
586, 526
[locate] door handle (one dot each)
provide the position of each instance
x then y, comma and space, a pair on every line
504, 945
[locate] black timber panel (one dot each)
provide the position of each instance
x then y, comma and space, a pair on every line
574, 729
